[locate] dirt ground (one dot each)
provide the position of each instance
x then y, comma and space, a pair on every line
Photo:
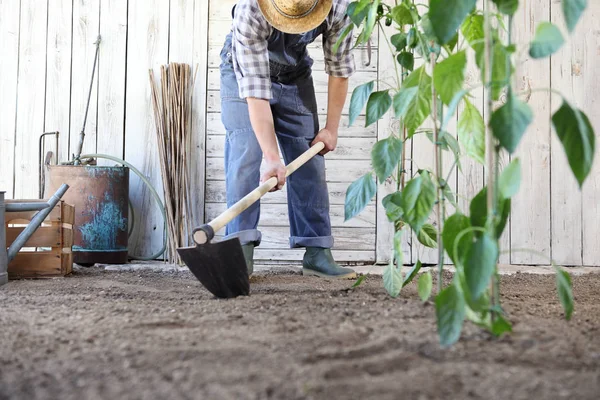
160, 335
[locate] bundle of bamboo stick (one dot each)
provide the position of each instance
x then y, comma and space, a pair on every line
172, 103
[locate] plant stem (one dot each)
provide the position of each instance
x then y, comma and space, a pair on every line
491, 147
438, 174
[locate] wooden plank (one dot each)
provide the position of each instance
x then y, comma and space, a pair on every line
9, 48
86, 26
277, 215
31, 94
66, 264
336, 170
58, 76
320, 80
66, 214
214, 126
44, 236
199, 115
530, 227
345, 238
566, 205
294, 256
111, 78
35, 265
147, 47
347, 148
584, 77
180, 27
215, 193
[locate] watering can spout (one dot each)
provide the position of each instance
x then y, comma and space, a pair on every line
44, 210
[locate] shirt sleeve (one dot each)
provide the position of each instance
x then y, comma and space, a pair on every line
341, 62
250, 55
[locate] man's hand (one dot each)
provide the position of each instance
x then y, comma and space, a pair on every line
277, 169
329, 139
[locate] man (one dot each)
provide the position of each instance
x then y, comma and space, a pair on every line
267, 96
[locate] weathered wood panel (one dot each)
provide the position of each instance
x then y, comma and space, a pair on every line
58, 75
31, 95
147, 48
9, 48
111, 79
86, 27
530, 223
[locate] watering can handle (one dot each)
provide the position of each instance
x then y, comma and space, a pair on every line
206, 232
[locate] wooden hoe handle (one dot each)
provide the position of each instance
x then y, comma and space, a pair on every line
206, 232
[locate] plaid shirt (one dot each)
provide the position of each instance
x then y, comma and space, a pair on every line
250, 47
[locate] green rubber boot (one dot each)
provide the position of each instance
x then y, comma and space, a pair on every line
248, 250
319, 262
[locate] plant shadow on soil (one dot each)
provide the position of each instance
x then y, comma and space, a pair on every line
159, 335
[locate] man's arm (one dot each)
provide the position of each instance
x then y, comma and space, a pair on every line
261, 118
336, 97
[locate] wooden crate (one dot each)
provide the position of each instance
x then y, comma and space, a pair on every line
48, 252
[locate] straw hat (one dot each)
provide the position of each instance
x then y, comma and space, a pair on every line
295, 16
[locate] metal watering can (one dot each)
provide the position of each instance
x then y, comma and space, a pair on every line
6, 255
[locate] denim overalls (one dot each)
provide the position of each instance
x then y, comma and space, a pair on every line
294, 110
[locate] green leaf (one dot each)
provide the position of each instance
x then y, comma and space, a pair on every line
447, 16
412, 273
547, 41
377, 106
392, 280
407, 60
453, 42
359, 98
453, 226
424, 286
399, 41
481, 265
471, 132
357, 11
402, 15
385, 156
449, 76
565, 291
419, 107
500, 72
345, 33
393, 206
449, 115
510, 122
578, 139
478, 210
472, 29
510, 179
450, 310
370, 22
398, 254
403, 99
508, 7
358, 195
427, 236
359, 281
500, 326
418, 198
572, 9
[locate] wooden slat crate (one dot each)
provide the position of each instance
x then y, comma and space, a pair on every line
48, 252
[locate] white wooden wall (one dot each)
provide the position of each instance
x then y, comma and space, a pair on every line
46, 53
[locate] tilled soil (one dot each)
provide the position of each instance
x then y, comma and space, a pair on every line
150, 335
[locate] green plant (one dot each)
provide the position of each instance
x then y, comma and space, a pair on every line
430, 47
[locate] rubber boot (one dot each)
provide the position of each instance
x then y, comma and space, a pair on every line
319, 262
248, 250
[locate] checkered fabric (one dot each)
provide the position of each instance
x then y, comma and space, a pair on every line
250, 47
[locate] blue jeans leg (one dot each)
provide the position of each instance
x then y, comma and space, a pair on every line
297, 124
242, 160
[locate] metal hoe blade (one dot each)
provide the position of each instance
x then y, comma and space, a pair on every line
220, 267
